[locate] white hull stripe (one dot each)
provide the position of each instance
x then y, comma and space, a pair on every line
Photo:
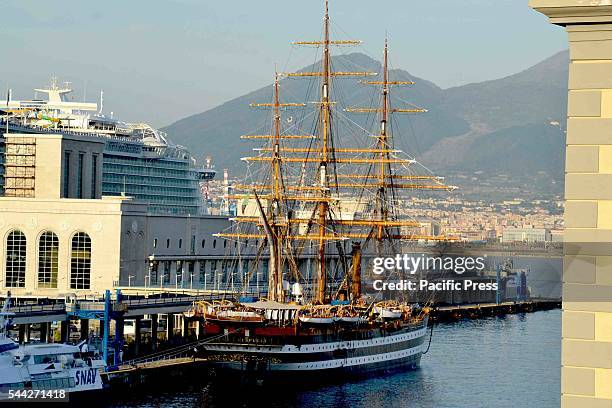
337, 363
314, 348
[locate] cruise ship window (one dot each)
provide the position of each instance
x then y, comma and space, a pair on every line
80, 261
15, 259
48, 249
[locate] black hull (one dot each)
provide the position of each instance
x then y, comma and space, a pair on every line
400, 350
223, 372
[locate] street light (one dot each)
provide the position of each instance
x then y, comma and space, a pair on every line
191, 281
151, 266
179, 267
130, 280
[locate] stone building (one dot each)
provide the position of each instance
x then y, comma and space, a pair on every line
59, 235
587, 293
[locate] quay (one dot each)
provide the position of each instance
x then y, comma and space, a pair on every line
477, 311
188, 362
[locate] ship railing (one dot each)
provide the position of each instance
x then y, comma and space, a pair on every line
185, 350
37, 309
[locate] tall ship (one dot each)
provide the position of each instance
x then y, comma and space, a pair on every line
138, 160
314, 205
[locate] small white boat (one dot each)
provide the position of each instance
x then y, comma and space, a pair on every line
46, 366
317, 320
239, 314
388, 312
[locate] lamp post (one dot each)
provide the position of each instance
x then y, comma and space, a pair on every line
151, 265
130, 280
191, 281
179, 267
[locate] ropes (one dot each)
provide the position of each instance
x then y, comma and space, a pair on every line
430, 336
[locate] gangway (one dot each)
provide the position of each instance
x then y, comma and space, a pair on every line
182, 354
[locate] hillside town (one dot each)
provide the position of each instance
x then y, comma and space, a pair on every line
535, 220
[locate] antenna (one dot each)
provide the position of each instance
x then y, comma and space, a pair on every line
8, 99
101, 102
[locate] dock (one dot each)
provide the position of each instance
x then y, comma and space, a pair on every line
477, 311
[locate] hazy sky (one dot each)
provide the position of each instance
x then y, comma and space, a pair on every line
159, 61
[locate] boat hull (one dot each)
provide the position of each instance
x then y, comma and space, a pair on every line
402, 349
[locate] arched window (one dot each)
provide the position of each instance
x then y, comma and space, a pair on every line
203, 243
48, 248
180, 243
15, 259
80, 261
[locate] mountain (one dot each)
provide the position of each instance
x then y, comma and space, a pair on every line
500, 125
534, 95
519, 147
217, 132
508, 106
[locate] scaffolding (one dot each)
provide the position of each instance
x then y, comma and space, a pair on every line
19, 166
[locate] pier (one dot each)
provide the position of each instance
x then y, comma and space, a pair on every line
188, 360
477, 311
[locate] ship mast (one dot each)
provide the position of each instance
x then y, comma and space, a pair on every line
326, 150
325, 132
386, 176
275, 233
319, 201
272, 220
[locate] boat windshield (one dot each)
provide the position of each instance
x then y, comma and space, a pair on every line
52, 358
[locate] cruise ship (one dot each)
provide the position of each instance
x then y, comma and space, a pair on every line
138, 160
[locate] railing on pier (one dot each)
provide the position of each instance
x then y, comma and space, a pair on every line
184, 350
37, 309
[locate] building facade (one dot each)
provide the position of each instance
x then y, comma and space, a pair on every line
587, 280
61, 234
512, 234
53, 247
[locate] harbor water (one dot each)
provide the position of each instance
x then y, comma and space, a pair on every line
511, 361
